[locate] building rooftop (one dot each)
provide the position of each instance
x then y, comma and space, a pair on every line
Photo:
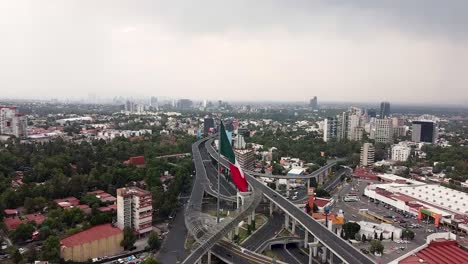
12, 223
91, 234
443, 252
129, 191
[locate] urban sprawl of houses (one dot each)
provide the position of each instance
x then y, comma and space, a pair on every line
389, 191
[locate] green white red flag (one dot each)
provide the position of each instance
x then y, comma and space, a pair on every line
225, 149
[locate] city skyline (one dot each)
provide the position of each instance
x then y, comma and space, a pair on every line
275, 51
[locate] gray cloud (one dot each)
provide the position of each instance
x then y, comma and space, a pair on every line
281, 49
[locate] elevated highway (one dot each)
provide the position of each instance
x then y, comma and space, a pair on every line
201, 226
337, 246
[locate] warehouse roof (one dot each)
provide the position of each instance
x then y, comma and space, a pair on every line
91, 234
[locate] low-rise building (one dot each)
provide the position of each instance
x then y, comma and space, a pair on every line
98, 241
372, 230
439, 248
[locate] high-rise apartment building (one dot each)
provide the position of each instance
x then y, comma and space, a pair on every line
12, 122
246, 158
383, 130
135, 209
367, 154
313, 103
384, 109
400, 152
330, 128
424, 131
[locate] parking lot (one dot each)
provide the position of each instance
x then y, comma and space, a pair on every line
393, 249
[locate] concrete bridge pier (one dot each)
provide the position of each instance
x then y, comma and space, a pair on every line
272, 208
286, 221
330, 260
312, 250
277, 184
306, 238
324, 254
293, 228
287, 188
250, 218
209, 257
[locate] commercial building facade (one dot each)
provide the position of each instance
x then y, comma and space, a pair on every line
208, 123
135, 209
383, 130
424, 131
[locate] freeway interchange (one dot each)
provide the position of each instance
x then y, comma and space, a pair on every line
212, 240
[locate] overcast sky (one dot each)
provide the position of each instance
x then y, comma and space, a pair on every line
401, 51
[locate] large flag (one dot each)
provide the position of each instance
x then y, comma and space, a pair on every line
225, 149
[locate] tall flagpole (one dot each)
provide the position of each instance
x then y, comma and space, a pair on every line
219, 170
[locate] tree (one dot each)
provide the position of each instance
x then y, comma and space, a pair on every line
350, 229
321, 193
72, 216
129, 238
153, 241
313, 183
376, 247
17, 257
315, 209
364, 238
149, 260
22, 232
408, 234
381, 237
51, 249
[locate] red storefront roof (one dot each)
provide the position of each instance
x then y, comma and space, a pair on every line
321, 202
440, 252
11, 211
91, 234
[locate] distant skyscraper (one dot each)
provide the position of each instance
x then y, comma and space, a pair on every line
367, 154
372, 112
185, 103
313, 103
154, 102
384, 109
383, 130
424, 131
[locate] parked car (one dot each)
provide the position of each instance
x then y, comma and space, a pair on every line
365, 251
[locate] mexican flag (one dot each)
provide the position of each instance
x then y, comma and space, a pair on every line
225, 149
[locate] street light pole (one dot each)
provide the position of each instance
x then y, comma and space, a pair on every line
219, 171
